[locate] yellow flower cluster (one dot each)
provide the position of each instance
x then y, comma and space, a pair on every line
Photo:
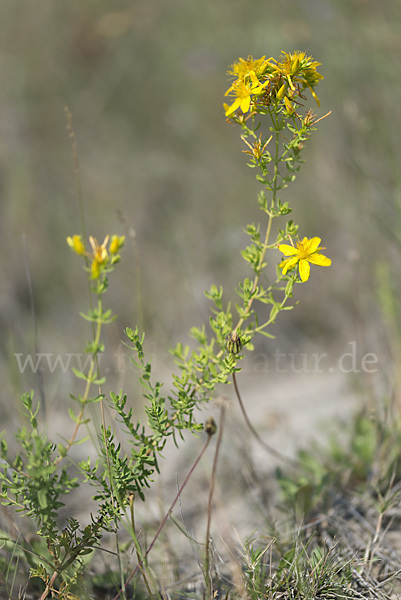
101, 255
264, 82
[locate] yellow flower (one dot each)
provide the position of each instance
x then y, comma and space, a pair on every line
299, 70
99, 251
305, 252
243, 92
116, 243
75, 242
99, 255
242, 68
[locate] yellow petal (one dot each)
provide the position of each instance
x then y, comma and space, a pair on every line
319, 259
314, 95
313, 244
231, 109
288, 250
289, 264
245, 104
291, 84
304, 270
253, 77
93, 243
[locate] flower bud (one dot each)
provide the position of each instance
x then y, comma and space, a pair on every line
75, 242
116, 243
289, 106
281, 92
295, 66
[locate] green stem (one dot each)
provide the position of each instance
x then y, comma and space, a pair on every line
88, 381
258, 274
265, 245
268, 228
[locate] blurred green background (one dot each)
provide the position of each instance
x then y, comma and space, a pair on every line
145, 81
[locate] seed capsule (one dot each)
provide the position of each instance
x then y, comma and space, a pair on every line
210, 426
233, 343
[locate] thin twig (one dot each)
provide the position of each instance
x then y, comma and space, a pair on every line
49, 586
166, 515
138, 549
39, 374
77, 171
268, 448
209, 507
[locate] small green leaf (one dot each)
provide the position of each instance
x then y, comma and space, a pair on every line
62, 450
73, 416
42, 498
274, 312
79, 374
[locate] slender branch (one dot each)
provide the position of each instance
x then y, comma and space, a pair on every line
209, 507
255, 434
77, 171
166, 515
138, 548
265, 246
49, 585
94, 363
39, 374
258, 273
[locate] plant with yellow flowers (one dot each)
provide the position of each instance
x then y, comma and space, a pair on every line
268, 99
